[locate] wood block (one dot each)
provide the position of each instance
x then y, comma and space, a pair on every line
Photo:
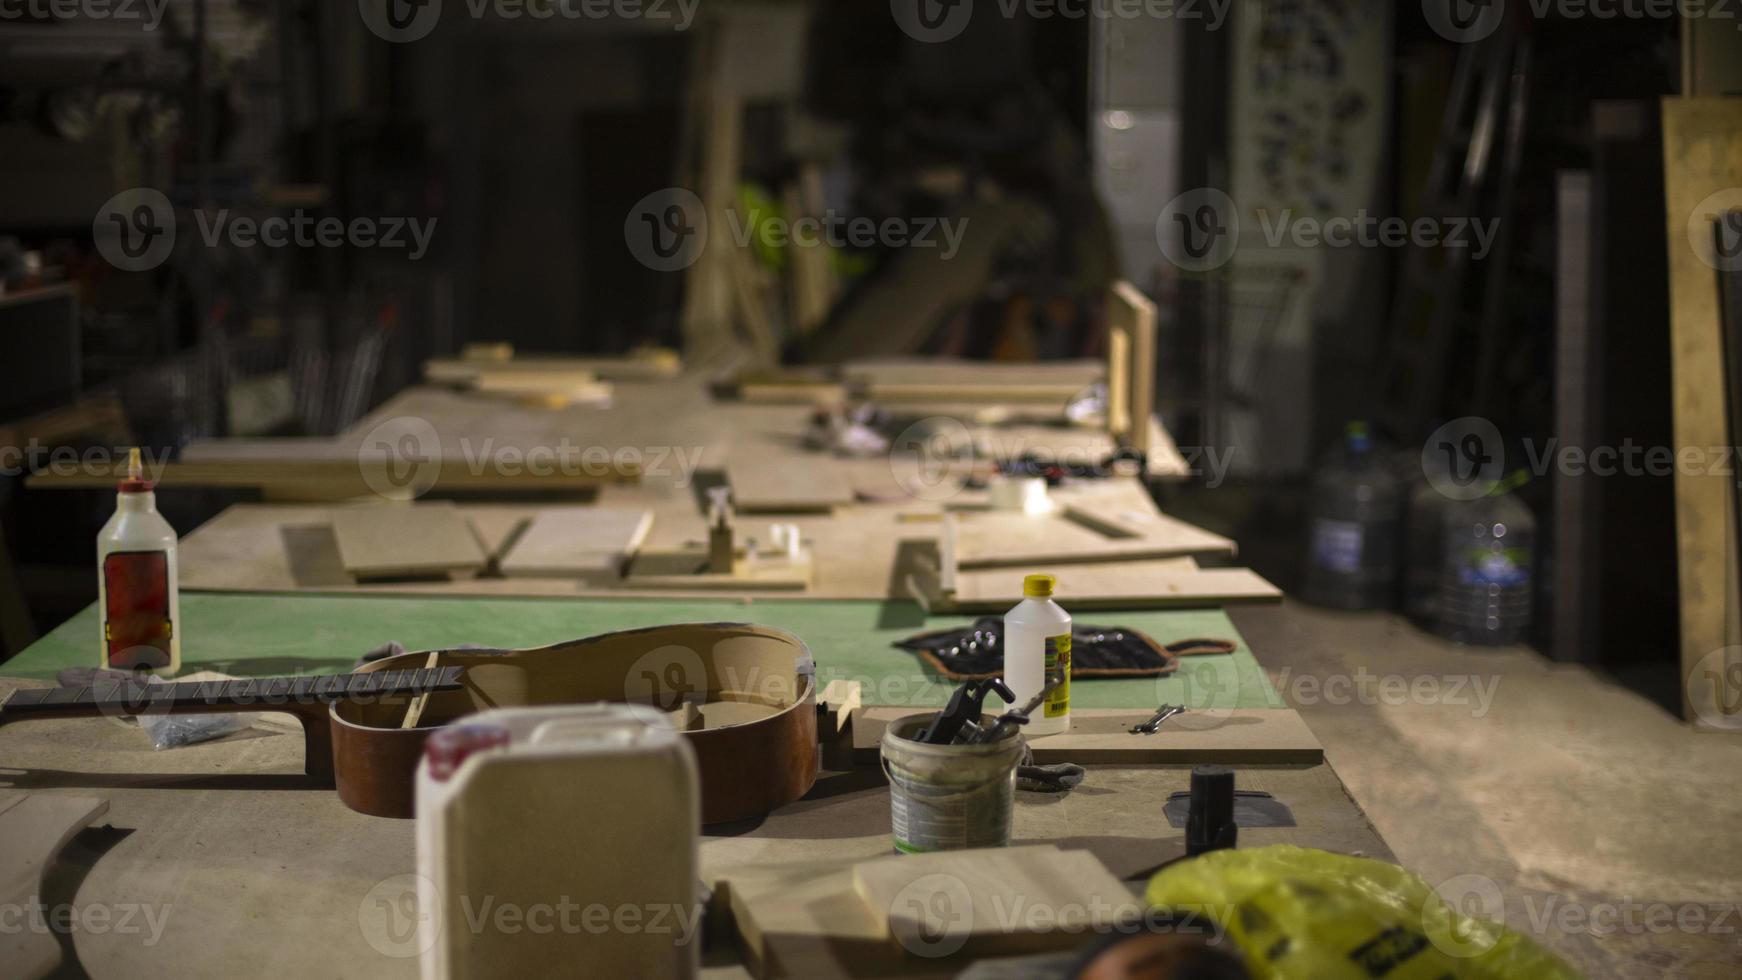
1003, 901
405, 541
35, 827
578, 542
1101, 736
809, 921
768, 483
836, 705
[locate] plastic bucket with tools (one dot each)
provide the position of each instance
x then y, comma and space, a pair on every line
948, 797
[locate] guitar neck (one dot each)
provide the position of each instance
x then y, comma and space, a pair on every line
309, 694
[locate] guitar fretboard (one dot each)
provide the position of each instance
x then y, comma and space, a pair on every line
136, 696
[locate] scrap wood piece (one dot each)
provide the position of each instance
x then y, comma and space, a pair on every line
808, 921
1224, 736
995, 901
840, 700
578, 542
35, 827
405, 540
767, 483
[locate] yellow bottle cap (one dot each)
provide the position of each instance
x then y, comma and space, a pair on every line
1038, 586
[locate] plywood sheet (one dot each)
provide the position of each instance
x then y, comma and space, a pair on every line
1077, 533
1004, 901
766, 482
569, 542
405, 540
1101, 736
1164, 584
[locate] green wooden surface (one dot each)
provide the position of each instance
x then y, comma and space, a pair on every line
260, 634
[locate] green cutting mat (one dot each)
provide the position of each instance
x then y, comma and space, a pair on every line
261, 634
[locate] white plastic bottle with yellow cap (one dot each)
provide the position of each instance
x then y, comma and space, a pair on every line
1037, 644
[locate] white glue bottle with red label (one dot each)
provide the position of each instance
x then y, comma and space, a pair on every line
138, 601
1037, 645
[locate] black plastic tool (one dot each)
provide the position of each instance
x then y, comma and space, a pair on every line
1210, 822
965, 706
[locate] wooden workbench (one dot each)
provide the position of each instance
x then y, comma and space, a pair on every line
248, 869
244, 867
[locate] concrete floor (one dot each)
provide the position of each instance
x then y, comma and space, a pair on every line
1578, 810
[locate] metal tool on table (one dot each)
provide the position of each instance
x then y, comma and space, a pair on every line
1015, 716
1162, 714
966, 706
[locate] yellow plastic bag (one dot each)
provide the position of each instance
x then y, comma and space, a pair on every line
1314, 915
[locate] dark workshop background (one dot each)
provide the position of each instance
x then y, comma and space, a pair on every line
530, 141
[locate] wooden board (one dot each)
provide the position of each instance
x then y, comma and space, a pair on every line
1168, 583
338, 479
405, 541
1101, 736
578, 542
1131, 323
790, 483
35, 827
1004, 901
1047, 377
651, 366
1702, 147
1073, 534
685, 571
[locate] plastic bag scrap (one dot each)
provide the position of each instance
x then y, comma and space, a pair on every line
170, 731
1301, 913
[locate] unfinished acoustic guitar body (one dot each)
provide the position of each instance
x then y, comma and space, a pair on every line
745, 696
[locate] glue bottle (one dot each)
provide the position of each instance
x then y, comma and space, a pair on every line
1037, 645
138, 603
